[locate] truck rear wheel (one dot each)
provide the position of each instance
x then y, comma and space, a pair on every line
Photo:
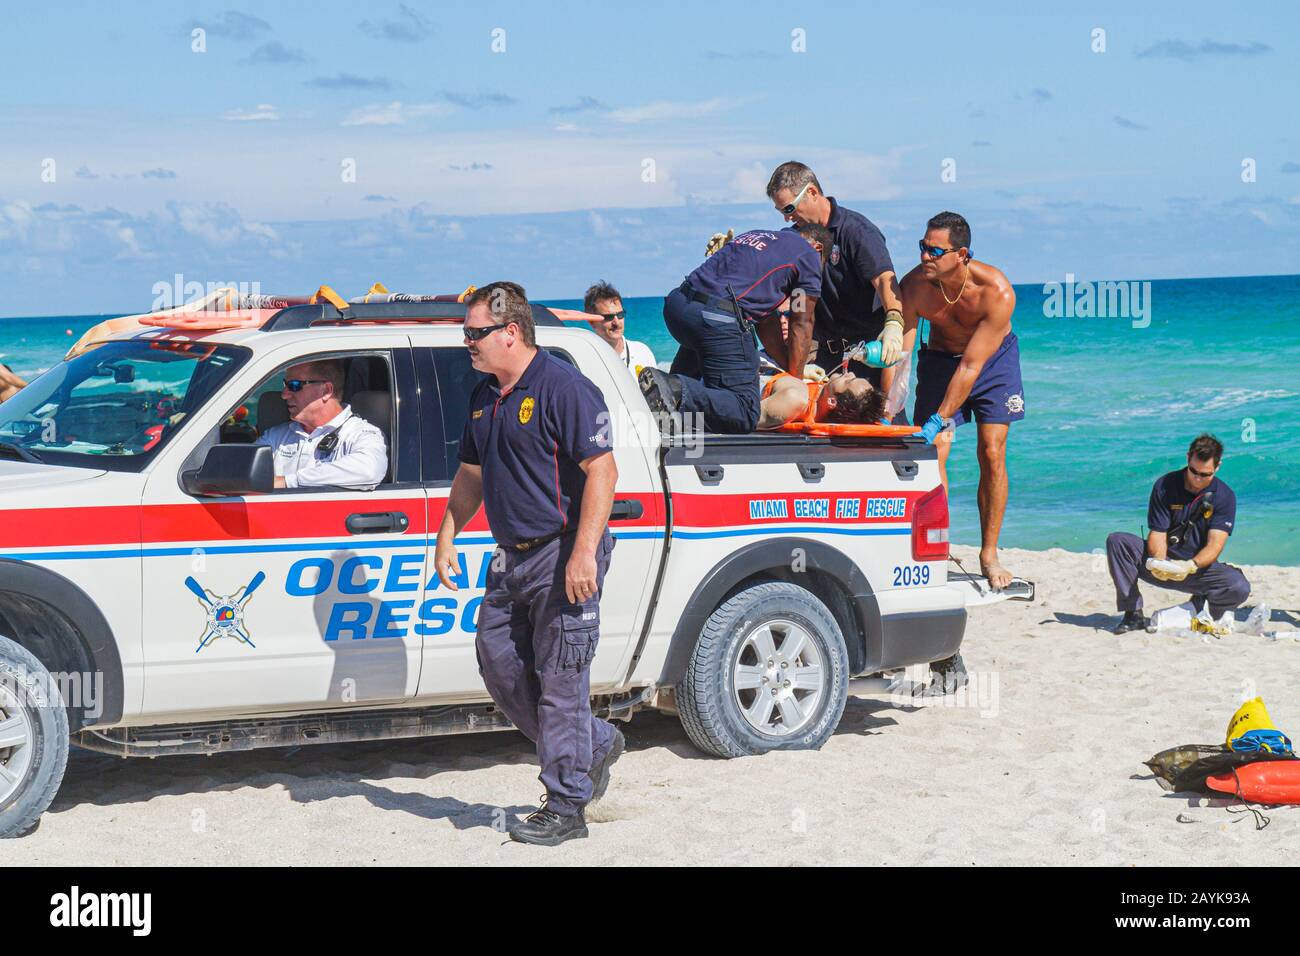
769, 672
33, 739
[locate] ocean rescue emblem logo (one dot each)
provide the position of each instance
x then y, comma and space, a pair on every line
1015, 403
835, 253
225, 614
526, 410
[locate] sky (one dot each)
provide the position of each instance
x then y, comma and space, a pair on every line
430, 146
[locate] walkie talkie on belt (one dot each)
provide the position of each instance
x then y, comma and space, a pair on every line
742, 320
1202, 506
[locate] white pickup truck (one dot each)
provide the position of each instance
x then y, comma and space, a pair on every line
157, 596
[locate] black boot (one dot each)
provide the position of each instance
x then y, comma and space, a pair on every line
545, 827
600, 772
663, 392
949, 676
1133, 621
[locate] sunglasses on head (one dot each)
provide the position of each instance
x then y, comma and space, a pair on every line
296, 384
934, 252
481, 332
789, 210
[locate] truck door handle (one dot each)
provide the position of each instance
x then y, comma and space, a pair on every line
905, 469
377, 523
812, 471
626, 509
709, 473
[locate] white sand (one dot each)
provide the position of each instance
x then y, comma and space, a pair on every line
1043, 765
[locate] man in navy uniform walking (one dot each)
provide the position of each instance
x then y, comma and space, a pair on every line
536, 452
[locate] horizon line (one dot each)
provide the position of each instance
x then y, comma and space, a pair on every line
544, 299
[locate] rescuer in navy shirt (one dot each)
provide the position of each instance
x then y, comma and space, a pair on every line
714, 313
536, 452
1191, 515
860, 299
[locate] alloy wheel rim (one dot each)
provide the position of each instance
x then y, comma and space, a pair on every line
17, 744
779, 678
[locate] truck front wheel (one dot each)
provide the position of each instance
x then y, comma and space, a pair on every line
769, 672
33, 739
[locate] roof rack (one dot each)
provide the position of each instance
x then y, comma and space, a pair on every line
306, 316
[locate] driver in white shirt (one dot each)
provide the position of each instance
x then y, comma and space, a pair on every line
324, 443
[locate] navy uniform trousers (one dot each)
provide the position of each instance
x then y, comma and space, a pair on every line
1224, 586
534, 652
717, 364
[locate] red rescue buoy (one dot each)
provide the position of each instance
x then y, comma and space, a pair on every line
1268, 781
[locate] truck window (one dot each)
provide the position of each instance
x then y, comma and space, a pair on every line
456, 382
114, 406
368, 390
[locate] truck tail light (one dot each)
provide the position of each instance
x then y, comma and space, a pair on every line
930, 527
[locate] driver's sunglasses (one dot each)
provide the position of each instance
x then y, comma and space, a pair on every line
789, 210
479, 333
934, 252
1200, 474
611, 316
296, 384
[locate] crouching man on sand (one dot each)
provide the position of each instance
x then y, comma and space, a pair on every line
1190, 515
536, 452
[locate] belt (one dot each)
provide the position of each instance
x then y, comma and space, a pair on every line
532, 543
722, 305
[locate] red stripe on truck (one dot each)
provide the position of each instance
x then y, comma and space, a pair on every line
829, 507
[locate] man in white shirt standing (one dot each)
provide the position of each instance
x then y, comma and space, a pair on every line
324, 443
604, 300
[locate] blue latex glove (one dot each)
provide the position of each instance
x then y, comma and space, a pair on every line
933, 425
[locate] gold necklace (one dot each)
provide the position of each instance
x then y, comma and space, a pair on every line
959, 291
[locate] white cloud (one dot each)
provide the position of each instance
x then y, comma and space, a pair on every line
393, 114
751, 181
264, 111
661, 110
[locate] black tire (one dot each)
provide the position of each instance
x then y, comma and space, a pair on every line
706, 700
26, 681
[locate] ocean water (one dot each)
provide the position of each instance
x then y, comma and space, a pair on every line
1110, 406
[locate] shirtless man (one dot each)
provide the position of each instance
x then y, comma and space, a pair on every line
969, 369
843, 398
10, 384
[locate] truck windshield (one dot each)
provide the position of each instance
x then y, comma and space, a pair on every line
114, 406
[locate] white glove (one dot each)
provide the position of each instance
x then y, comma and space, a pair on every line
814, 373
1182, 570
891, 339
717, 241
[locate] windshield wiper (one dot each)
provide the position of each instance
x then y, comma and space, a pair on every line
19, 452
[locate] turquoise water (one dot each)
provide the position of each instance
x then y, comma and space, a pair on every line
1109, 408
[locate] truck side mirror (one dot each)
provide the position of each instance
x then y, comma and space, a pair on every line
233, 470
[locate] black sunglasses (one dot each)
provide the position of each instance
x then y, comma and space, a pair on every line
935, 252
1200, 474
296, 384
481, 332
612, 316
